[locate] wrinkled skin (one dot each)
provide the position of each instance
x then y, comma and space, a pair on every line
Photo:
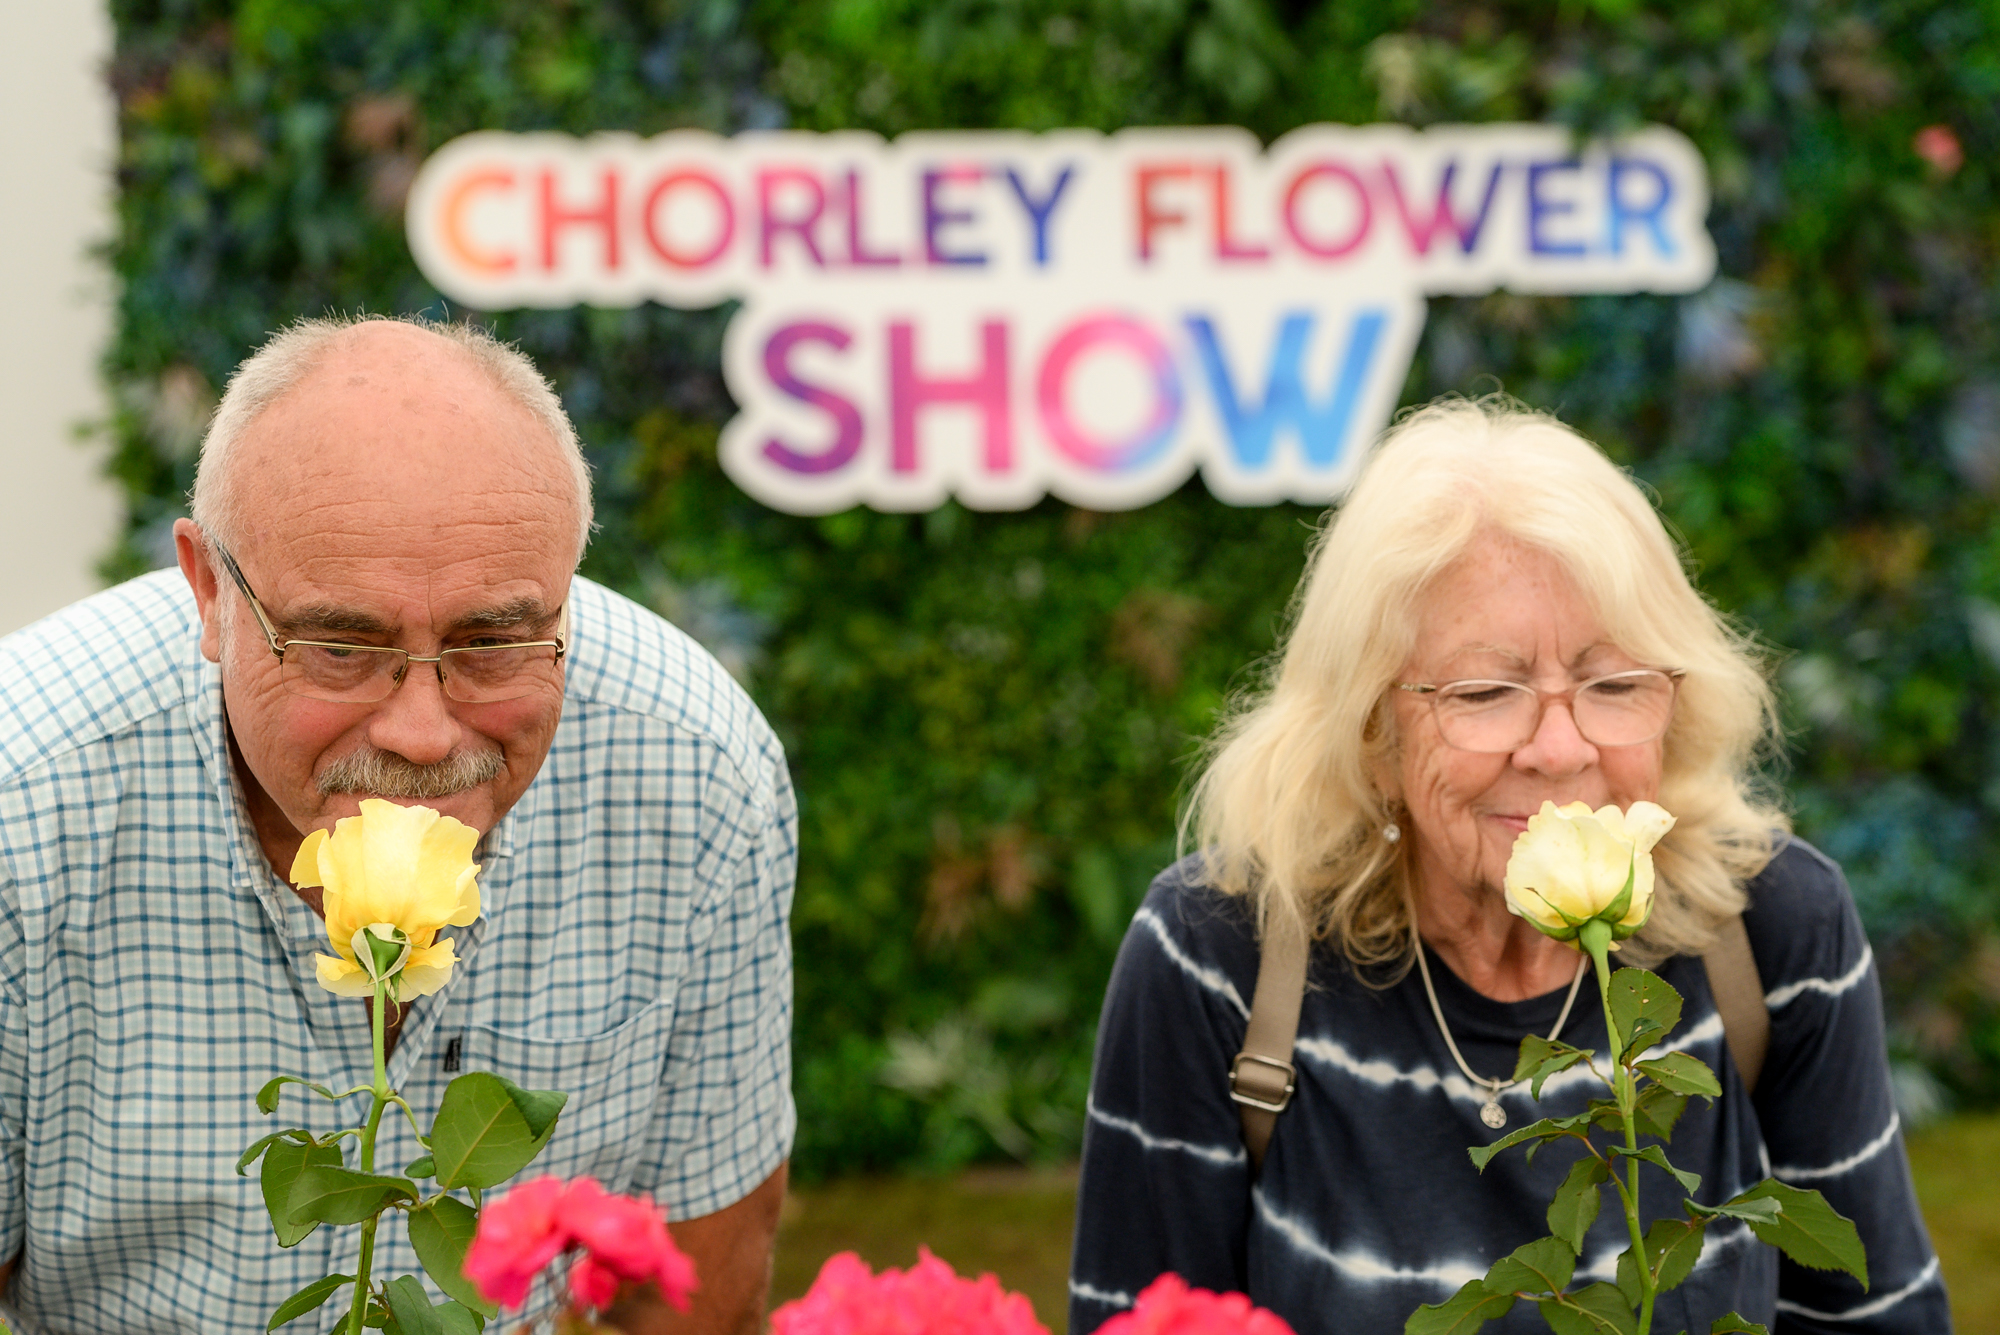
1506, 612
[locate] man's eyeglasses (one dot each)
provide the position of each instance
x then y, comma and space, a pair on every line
366, 674
1619, 709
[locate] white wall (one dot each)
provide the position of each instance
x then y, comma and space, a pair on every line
57, 140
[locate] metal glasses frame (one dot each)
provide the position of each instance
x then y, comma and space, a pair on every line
560, 643
1542, 699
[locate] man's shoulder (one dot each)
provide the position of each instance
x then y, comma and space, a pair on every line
95, 669
628, 659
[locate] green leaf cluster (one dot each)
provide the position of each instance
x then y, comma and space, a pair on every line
1648, 1093
486, 1130
989, 715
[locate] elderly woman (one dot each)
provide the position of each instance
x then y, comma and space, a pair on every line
1496, 619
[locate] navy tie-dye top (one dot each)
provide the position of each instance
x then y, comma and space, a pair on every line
1368, 1206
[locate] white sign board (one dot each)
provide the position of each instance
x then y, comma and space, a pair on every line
999, 316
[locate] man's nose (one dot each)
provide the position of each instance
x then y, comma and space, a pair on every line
1558, 747
416, 721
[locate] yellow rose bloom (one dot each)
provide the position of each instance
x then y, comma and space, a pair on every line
1572, 864
400, 874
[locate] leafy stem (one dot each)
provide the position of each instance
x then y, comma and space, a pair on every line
1596, 938
378, 1024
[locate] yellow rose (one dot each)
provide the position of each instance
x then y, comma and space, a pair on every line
1573, 864
397, 874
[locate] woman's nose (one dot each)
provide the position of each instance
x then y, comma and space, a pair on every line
1558, 748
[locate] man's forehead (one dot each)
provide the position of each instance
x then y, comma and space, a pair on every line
399, 418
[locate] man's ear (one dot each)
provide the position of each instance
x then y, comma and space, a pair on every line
191, 550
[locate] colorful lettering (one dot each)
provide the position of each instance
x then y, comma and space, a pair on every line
985, 390
1322, 432
1052, 394
846, 442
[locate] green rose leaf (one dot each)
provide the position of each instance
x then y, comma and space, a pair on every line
1653, 1154
375, 1317
1683, 1073
1809, 1230
267, 1097
1763, 1210
1657, 1110
1733, 1324
424, 1167
458, 1321
307, 1299
488, 1129
1549, 1128
1462, 1313
1598, 1310
1541, 1059
441, 1231
410, 1310
1638, 995
285, 1161
1605, 1113
1645, 1033
1672, 1248
262, 1143
1543, 1266
331, 1194
1575, 1206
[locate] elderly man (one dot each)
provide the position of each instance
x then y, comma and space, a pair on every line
410, 490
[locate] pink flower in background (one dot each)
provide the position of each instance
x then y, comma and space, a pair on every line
623, 1240
518, 1235
1939, 146
1168, 1306
927, 1299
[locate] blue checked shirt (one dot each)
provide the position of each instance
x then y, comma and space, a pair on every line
154, 972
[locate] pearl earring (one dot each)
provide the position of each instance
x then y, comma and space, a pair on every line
1392, 833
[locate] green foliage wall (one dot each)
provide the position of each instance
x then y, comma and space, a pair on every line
988, 715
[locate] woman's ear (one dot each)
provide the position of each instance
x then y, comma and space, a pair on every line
1380, 744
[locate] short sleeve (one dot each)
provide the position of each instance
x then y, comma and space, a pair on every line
1826, 1106
1165, 1182
725, 1119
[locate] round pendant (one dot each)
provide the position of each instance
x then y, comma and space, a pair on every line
1493, 1114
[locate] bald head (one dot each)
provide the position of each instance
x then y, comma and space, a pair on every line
393, 416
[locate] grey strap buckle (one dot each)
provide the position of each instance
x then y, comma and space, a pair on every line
1266, 1084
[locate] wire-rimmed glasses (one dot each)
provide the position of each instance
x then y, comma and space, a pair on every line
366, 674
1490, 717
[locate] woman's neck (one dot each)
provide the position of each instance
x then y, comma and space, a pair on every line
1492, 951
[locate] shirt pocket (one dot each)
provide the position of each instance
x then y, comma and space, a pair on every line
613, 1080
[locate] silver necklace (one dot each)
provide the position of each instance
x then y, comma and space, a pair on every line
1491, 1112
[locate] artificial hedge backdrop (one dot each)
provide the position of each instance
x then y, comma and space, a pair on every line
988, 715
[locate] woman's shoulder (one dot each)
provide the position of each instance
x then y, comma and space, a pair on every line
1801, 916
1187, 926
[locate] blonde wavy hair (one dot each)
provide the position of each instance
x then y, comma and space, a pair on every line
1285, 809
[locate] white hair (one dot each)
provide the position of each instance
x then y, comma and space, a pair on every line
1287, 809
294, 352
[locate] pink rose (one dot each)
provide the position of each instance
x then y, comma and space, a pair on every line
592, 1285
1168, 1306
628, 1239
623, 1240
518, 1235
928, 1299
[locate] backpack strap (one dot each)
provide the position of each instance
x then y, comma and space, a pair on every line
1739, 999
1262, 1077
